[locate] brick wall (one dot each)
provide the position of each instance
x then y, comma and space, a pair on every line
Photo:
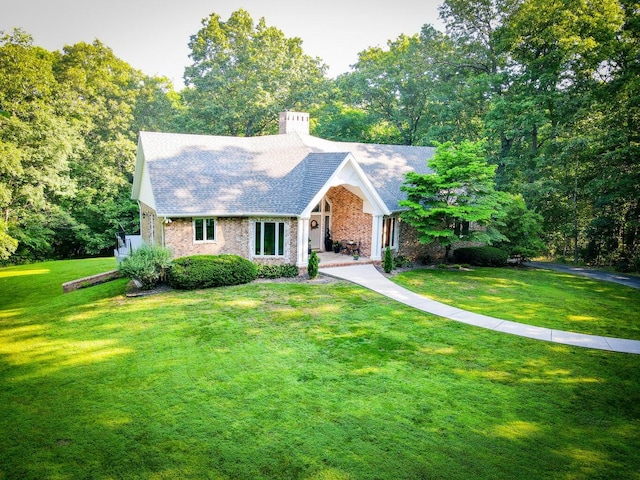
410, 246
233, 236
150, 226
348, 221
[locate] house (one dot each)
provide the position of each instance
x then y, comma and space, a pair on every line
272, 198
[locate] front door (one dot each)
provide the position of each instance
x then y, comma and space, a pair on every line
320, 225
315, 231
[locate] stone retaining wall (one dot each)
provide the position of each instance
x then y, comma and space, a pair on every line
90, 281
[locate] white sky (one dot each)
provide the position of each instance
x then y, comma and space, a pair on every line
153, 35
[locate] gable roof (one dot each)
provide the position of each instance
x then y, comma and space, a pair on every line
204, 175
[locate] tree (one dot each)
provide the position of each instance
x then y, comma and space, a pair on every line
339, 121
108, 101
523, 228
614, 120
559, 61
312, 265
393, 85
243, 75
36, 145
422, 87
158, 107
68, 127
461, 190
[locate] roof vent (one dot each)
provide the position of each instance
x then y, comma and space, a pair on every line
291, 122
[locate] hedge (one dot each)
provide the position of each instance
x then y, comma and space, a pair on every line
277, 271
481, 256
206, 271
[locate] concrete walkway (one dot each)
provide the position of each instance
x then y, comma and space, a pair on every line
369, 277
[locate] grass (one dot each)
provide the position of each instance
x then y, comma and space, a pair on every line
536, 297
309, 381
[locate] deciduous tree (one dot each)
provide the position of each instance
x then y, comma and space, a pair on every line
460, 191
36, 143
244, 74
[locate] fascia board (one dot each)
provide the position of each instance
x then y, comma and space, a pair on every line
225, 215
137, 175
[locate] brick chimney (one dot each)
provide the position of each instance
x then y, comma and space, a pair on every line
291, 122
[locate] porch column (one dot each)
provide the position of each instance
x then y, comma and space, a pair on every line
376, 238
303, 242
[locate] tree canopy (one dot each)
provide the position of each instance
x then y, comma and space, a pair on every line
67, 147
554, 97
460, 191
244, 74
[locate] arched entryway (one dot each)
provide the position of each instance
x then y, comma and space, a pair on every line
348, 206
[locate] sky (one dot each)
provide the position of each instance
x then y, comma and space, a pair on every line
153, 35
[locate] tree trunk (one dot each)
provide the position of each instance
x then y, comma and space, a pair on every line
575, 219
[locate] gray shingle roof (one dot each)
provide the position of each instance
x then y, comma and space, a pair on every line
268, 175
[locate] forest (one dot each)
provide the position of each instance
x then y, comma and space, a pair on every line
552, 89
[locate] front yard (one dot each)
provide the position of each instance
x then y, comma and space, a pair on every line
536, 297
300, 380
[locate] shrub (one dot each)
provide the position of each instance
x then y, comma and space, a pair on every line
481, 256
148, 265
312, 267
402, 261
277, 271
206, 271
423, 259
387, 263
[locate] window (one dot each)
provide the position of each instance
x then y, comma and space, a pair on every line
152, 229
204, 229
269, 239
389, 233
461, 229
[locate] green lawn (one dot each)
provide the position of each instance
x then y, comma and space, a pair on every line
288, 381
536, 297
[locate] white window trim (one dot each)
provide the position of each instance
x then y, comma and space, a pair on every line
204, 230
254, 233
393, 244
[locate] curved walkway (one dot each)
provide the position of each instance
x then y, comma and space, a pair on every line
369, 277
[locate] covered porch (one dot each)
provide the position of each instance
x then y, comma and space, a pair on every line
346, 210
330, 259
